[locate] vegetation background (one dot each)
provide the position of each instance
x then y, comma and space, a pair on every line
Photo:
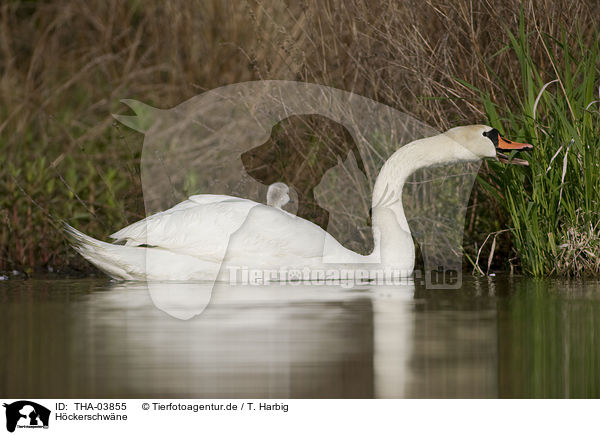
64, 66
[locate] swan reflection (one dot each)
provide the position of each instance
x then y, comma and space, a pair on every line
264, 341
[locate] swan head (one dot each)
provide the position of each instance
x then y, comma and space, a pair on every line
487, 143
278, 195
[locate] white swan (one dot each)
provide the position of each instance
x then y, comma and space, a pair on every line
278, 195
193, 239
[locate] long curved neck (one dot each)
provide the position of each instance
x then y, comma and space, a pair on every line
392, 237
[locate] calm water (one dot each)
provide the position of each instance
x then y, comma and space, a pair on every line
496, 337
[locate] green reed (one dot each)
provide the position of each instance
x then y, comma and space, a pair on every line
554, 203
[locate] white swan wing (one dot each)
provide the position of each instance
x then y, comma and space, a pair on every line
208, 198
271, 236
201, 230
194, 200
203, 225
133, 233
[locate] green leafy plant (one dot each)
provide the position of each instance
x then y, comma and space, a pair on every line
553, 204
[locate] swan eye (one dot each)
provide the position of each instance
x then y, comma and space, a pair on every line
492, 135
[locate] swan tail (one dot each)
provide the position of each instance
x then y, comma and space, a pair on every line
118, 261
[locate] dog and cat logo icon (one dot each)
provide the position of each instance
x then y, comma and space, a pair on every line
25, 414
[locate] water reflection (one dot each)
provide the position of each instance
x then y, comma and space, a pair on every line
550, 335
182, 300
501, 338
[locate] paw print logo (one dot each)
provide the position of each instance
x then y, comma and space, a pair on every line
294, 276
